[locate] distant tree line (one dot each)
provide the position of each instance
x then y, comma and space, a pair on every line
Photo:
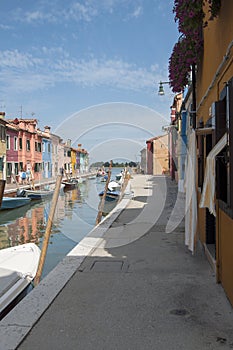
114, 164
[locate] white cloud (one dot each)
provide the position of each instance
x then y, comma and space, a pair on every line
15, 59
38, 16
23, 71
95, 72
137, 12
5, 26
76, 11
80, 11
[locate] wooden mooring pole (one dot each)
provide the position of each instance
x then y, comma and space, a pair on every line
101, 206
47, 231
2, 187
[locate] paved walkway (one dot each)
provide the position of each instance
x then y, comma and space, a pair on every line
12, 187
131, 284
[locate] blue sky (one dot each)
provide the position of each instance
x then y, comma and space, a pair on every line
61, 57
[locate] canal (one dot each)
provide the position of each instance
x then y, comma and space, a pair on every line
75, 216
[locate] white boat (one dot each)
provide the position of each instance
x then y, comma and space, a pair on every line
113, 186
14, 202
18, 266
69, 184
38, 194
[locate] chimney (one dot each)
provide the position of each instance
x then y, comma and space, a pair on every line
68, 143
47, 129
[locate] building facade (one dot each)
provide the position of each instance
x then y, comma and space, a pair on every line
157, 155
2, 146
56, 164
46, 153
12, 162
214, 134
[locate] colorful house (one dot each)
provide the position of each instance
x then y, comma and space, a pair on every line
215, 144
67, 158
84, 161
29, 145
74, 161
46, 153
56, 164
12, 162
158, 154
2, 146
209, 128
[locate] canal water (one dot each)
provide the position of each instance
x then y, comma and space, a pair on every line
75, 216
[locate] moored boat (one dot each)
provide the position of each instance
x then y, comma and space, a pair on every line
35, 194
13, 202
113, 186
110, 195
18, 266
69, 184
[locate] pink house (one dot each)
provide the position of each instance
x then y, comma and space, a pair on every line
12, 165
29, 146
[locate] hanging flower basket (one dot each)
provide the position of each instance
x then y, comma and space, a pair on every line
184, 55
191, 18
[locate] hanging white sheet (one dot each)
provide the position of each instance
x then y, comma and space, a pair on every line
208, 191
190, 190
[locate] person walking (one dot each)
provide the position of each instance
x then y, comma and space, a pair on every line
23, 177
28, 176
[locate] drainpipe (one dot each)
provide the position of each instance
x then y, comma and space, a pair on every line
194, 96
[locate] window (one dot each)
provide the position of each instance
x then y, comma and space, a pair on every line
49, 147
15, 143
20, 143
37, 168
1, 163
20, 166
224, 160
3, 133
39, 146
221, 160
54, 149
43, 146
7, 142
28, 145
36, 146
8, 169
16, 169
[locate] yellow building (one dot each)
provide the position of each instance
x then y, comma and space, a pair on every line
214, 88
73, 161
160, 156
157, 155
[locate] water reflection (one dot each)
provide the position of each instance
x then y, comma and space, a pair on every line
75, 216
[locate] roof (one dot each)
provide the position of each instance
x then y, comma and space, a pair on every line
155, 138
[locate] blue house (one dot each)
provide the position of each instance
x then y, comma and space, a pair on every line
46, 154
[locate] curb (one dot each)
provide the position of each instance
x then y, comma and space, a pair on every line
15, 326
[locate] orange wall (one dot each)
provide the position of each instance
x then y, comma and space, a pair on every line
217, 37
226, 253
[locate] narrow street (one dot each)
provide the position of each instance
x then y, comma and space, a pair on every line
150, 293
